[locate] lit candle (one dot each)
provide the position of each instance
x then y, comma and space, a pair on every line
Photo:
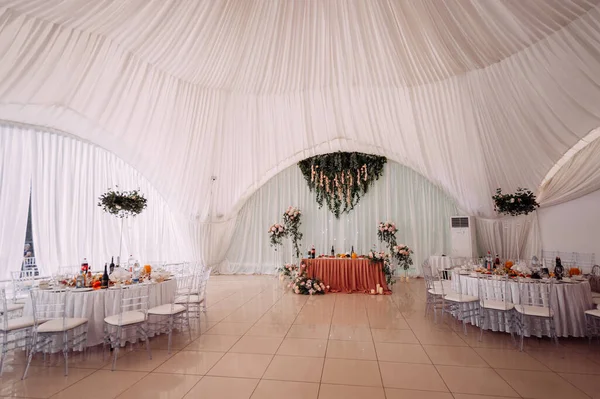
378, 287
373, 292
380, 290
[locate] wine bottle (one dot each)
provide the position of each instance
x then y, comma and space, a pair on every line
332, 251
105, 277
313, 252
112, 264
352, 252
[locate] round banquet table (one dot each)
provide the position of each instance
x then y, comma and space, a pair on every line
569, 302
99, 304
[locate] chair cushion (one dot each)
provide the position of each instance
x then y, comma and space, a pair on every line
435, 291
132, 317
190, 299
538, 311
11, 307
498, 305
594, 312
18, 323
56, 325
455, 297
166, 309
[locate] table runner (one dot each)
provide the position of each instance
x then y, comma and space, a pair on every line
347, 275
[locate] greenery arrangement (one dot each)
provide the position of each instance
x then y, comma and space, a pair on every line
122, 203
277, 233
291, 219
402, 254
303, 285
522, 202
383, 258
287, 270
340, 179
386, 232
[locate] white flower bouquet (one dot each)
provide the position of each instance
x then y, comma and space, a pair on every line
402, 254
386, 232
277, 232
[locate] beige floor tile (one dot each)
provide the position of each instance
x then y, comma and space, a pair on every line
510, 359
422, 377
161, 386
491, 340
350, 392
351, 372
213, 343
260, 345
101, 385
393, 323
454, 356
395, 336
589, 384
475, 380
178, 341
286, 389
303, 347
351, 350
190, 362
268, 330
565, 361
138, 360
438, 337
224, 328
405, 353
243, 365
314, 331
295, 368
223, 388
541, 385
350, 333
277, 318
469, 396
40, 382
392, 393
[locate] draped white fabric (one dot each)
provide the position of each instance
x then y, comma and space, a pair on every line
15, 180
420, 210
471, 94
67, 177
510, 237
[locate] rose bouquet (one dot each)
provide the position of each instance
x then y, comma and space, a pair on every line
386, 232
287, 270
384, 258
291, 220
303, 285
277, 233
402, 254
376, 256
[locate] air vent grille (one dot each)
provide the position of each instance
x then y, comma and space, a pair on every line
460, 222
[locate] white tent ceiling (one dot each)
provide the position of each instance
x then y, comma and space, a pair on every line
473, 94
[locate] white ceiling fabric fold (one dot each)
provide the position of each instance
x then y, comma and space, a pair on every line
471, 94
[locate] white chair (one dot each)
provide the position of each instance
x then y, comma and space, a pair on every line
29, 264
178, 269
592, 321
434, 293
14, 332
460, 305
23, 282
51, 322
494, 300
175, 314
132, 316
534, 312
195, 303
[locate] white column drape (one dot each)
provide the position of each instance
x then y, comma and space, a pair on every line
420, 210
15, 183
510, 237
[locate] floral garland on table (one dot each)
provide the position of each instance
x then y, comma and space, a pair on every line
303, 285
340, 179
402, 254
383, 258
122, 203
291, 219
386, 232
277, 233
522, 202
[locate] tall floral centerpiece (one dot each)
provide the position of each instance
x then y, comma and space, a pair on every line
277, 233
292, 222
383, 258
402, 254
122, 204
386, 232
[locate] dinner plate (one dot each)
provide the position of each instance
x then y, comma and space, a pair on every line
86, 289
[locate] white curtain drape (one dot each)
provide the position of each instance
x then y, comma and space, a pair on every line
67, 176
420, 210
15, 180
511, 237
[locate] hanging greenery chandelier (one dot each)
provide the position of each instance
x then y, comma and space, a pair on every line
340, 179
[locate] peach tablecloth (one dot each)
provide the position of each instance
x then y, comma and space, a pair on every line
347, 275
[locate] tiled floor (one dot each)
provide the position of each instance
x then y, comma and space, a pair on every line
259, 341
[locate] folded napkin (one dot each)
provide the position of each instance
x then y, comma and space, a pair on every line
119, 274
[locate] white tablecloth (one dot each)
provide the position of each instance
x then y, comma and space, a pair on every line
569, 302
96, 305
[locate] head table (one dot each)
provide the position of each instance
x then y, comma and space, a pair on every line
347, 275
569, 301
98, 304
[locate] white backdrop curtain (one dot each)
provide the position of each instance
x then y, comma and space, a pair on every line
420, 210
511, 237
15, 181
67, 176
